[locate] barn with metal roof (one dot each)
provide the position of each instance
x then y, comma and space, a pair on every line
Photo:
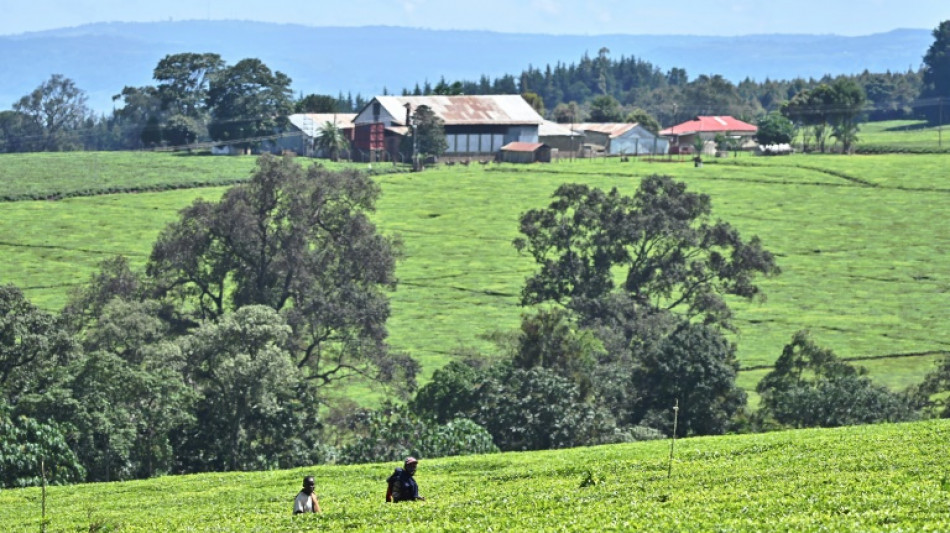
476, 127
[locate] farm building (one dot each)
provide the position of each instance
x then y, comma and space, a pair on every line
622, 138
304, 128
561, 138
525, 152
683, 136
476, 127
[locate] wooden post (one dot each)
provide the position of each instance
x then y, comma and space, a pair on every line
676, 410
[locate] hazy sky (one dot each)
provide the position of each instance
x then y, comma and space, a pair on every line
697, 17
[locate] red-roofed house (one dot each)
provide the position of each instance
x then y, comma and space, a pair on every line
683, 136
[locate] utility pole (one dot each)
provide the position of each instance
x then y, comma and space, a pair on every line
940, 123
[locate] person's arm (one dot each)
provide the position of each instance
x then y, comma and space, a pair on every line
316, 502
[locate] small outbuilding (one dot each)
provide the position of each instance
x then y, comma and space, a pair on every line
526, 152
617, 138
560, 137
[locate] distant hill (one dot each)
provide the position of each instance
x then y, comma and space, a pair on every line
103, 58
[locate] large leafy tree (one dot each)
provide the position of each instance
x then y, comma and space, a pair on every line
605, 108
140, 116
660, 246
57, 107
248, 100
184, 81
255, 411
809, 386
128, 394
317, 103
301, 242
18, 133
695, 369
30, 449
937, 72
849, 100
775, 129
35, 349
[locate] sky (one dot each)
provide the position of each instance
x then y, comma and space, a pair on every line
576, 17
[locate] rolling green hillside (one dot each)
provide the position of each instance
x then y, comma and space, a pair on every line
860, 239
867, 478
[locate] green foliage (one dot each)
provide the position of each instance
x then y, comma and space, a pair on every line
605, 108
694, 367
35, 349
936, 386
641, 117
661, 243
184, 83
775, 129
130, 394
522, 408
57, 108
331, 141
256, 411
428, 132
392, 433
247, 100
549, 340
936, 78
317, 103
537, 409
811, 387
300, 242
28, 448
569, 112
535, 101
449, 394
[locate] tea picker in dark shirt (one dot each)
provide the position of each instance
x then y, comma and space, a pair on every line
401, 486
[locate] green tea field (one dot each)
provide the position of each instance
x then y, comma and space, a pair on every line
861, 241
865, 478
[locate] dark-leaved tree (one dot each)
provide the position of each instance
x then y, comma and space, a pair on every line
775, 129
57, 107
695, 369
936, 82
661, 244
300, 242
811, 387
247, 101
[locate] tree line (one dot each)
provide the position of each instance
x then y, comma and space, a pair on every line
198, 97
225, 351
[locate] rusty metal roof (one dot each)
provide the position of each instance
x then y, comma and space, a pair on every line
519, 146
509, 109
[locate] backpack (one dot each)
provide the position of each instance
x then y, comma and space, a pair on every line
396, 484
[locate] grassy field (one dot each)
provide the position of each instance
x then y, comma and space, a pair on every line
903, 135
860, 239
864, 478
